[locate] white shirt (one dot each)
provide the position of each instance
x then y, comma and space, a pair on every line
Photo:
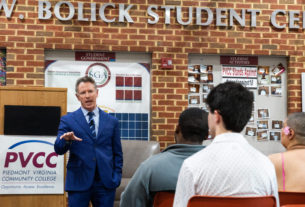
96, 117
229, 166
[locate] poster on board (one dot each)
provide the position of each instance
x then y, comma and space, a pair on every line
29, 165
123, 90
239, 71
246, 75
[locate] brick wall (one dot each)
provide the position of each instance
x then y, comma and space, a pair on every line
25, 41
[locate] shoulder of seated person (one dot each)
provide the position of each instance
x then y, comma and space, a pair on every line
275, 157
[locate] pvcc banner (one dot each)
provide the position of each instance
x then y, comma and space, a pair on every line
29, 165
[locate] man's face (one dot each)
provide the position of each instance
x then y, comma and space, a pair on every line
87, 94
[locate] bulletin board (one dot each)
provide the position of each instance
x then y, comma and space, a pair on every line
265, 76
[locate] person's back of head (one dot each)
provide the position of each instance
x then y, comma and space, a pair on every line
296, 121
233, 102
193, 125
291, 162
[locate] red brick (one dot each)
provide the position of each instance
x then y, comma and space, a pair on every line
16, 26
165, 139
16, 39
174, 85
25, 57
25, 70
166, 127
166, 103
15, 75
166, 114
165, 90
63, 46
25, 82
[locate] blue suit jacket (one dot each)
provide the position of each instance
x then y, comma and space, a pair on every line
105, 152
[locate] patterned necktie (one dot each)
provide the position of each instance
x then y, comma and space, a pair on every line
91, 123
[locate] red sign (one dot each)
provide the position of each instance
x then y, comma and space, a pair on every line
95, 56
239, 60
166, 63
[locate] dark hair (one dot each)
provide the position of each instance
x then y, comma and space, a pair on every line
193, 123
233, 102
84, 79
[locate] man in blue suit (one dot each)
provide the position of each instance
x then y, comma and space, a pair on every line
94, 169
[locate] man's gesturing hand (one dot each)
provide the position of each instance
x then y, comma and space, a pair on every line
69, 136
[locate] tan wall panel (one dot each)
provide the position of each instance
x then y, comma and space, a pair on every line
32, 96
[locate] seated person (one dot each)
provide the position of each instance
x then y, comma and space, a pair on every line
290, 165
229, 166
160, 172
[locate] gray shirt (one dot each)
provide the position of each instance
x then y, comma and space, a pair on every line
158, 173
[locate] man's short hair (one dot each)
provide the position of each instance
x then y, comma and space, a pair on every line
233, 102
193, 123
84, 79
296, 121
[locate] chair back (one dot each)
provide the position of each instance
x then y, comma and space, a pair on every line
217, 201
291, 198
164, 199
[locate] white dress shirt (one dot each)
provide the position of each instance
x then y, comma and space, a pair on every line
229, 166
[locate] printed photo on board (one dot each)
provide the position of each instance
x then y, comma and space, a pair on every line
263, 113
203, 69
193, 78
275, 136
194, 100
251, 131
203, 78
276, 79
206, 88
262, 135
262, 124
263, 91
193, 68
277, 124
276, 90
263, 75
194, 88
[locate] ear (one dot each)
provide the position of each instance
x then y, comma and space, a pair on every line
217, 116
177, 130
291, 134
77, 96
178, 134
